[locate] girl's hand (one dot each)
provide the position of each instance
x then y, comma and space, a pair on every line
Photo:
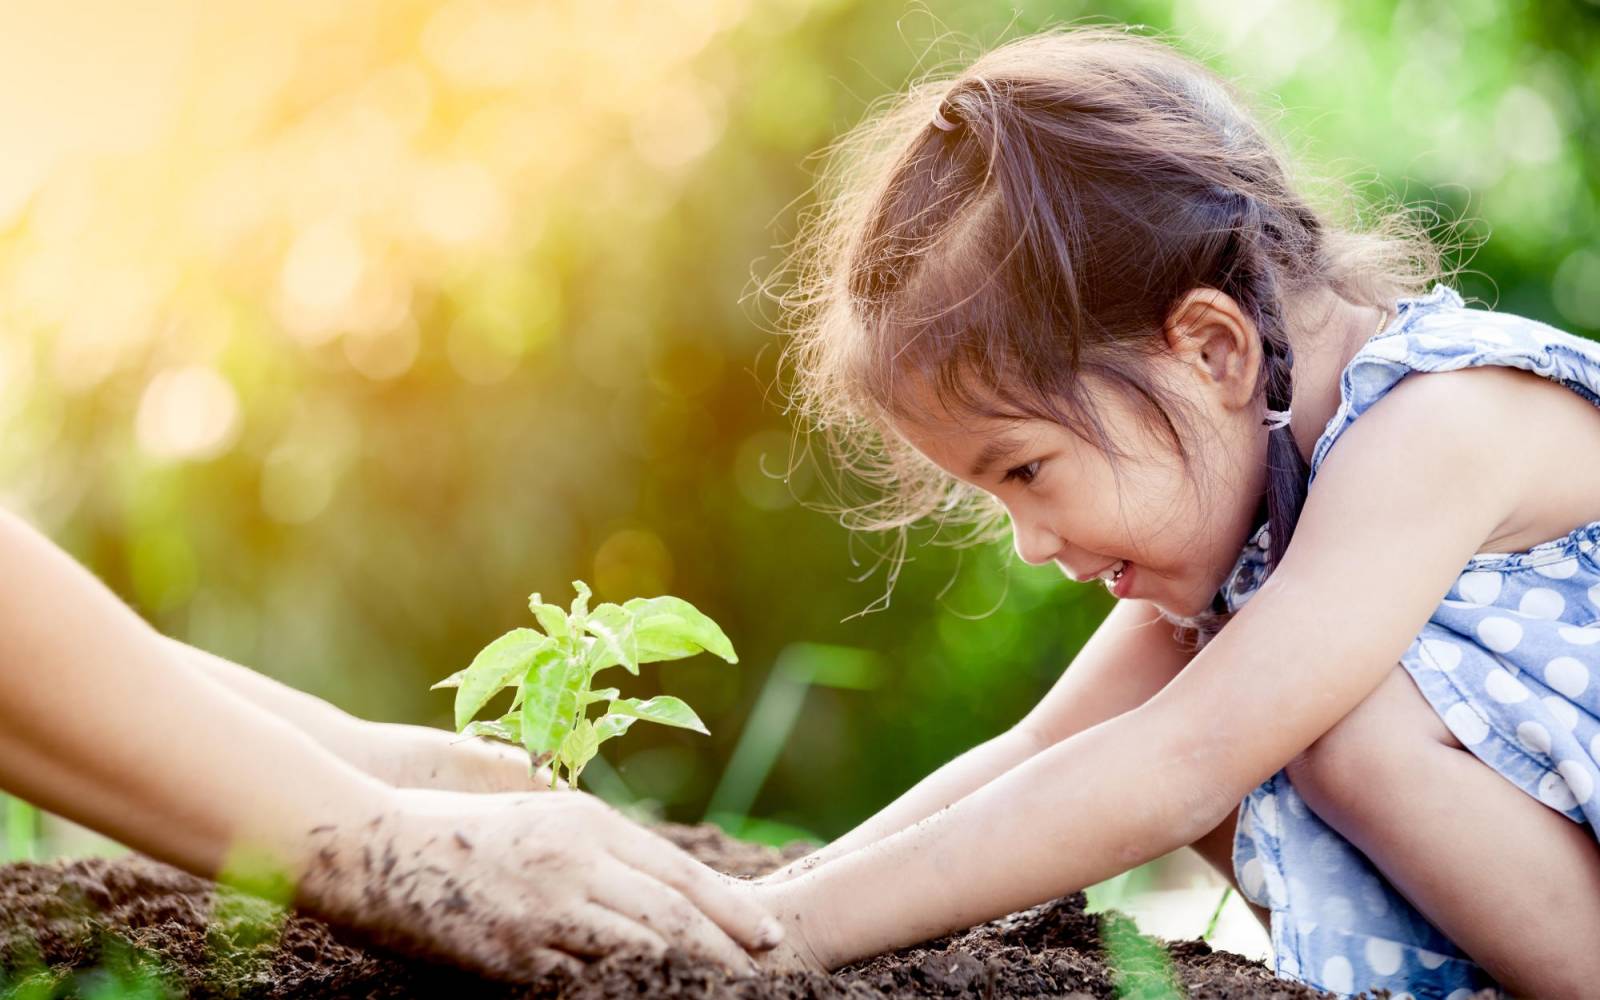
516, 886
796, 953
424, 757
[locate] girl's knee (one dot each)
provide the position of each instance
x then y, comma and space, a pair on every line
1344, 773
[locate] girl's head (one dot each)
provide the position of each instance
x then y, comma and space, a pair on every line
1032, 254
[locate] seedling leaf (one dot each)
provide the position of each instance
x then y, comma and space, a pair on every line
550, 708
614, 643
508, 729
663, 708
580, 604
453, 681
498, 665
670, 628
601, 695
551, 618
578, 748
613, 725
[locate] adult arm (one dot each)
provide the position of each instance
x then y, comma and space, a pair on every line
102, 723
403, 755
1408, 497
1131, 656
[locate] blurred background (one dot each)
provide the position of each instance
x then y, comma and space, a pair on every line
329, 332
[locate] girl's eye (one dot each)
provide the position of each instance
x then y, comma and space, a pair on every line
1022, 473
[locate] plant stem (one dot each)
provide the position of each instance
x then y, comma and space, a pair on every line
1216, 915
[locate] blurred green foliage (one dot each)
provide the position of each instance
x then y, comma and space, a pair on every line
393, 314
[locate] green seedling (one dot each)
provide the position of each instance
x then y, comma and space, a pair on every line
552, 672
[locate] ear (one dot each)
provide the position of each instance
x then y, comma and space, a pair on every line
1212, 338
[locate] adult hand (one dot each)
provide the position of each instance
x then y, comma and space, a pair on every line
423, 757
514, 886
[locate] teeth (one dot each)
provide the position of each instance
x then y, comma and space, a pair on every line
1114, 574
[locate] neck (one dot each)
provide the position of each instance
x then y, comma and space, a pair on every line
1325, 332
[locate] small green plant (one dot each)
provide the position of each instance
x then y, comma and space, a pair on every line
553, 672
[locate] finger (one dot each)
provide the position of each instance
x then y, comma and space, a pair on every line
595, 931
652, 903
737, 913
549, 960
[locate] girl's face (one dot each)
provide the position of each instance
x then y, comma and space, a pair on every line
1071, 504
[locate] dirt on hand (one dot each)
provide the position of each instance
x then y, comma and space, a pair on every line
87, 927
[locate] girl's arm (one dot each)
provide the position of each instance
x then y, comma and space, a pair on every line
402, 755
1131, 656
1412, 492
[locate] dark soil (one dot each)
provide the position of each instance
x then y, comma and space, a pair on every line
131, 927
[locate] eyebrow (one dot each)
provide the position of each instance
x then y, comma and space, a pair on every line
997, 449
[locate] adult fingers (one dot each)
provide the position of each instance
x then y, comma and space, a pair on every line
736, 912
594, 931
644, 900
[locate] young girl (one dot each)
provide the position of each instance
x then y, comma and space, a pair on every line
1359, 612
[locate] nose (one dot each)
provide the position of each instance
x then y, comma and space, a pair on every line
1035, 543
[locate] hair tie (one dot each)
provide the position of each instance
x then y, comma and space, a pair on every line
940, 121
1276, 419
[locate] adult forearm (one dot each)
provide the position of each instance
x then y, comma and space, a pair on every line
100, 722
955, 780
342, 733
1088, 808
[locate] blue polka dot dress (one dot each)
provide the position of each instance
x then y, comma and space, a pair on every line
1510, 660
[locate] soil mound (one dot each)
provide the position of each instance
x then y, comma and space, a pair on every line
133, 928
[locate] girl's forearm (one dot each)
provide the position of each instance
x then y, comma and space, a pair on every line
1088, 808
102, 723
960, 777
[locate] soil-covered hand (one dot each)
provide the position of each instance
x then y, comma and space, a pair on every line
515, 886
424, 757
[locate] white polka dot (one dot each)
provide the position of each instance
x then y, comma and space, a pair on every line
1402, 996
1542, 602
1337, 975
1554, 792
1273, 880
1462, 994
1594, 747
1430, 959
1383, 955
1499, 634
1479, 587
1567, 675
1338, 911
1468, 726
1251, 880
1588, 635
1594, 595
1441, 654
1579, 781
1288, 966
1326, 852
1562, 710
1504, 688
1534, 737
1373, 897
1267, 814
1296, 804
1296, 889
1561, 569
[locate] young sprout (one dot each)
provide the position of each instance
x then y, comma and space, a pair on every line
553, 672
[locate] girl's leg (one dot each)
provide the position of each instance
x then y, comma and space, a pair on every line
1511, 881
1217, 848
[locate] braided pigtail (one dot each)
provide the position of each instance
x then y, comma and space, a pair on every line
1287, 471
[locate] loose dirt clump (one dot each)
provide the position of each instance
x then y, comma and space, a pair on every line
79, 928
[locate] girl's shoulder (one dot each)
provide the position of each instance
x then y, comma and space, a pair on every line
1439, 332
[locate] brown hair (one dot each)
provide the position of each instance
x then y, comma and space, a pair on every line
1035, 218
